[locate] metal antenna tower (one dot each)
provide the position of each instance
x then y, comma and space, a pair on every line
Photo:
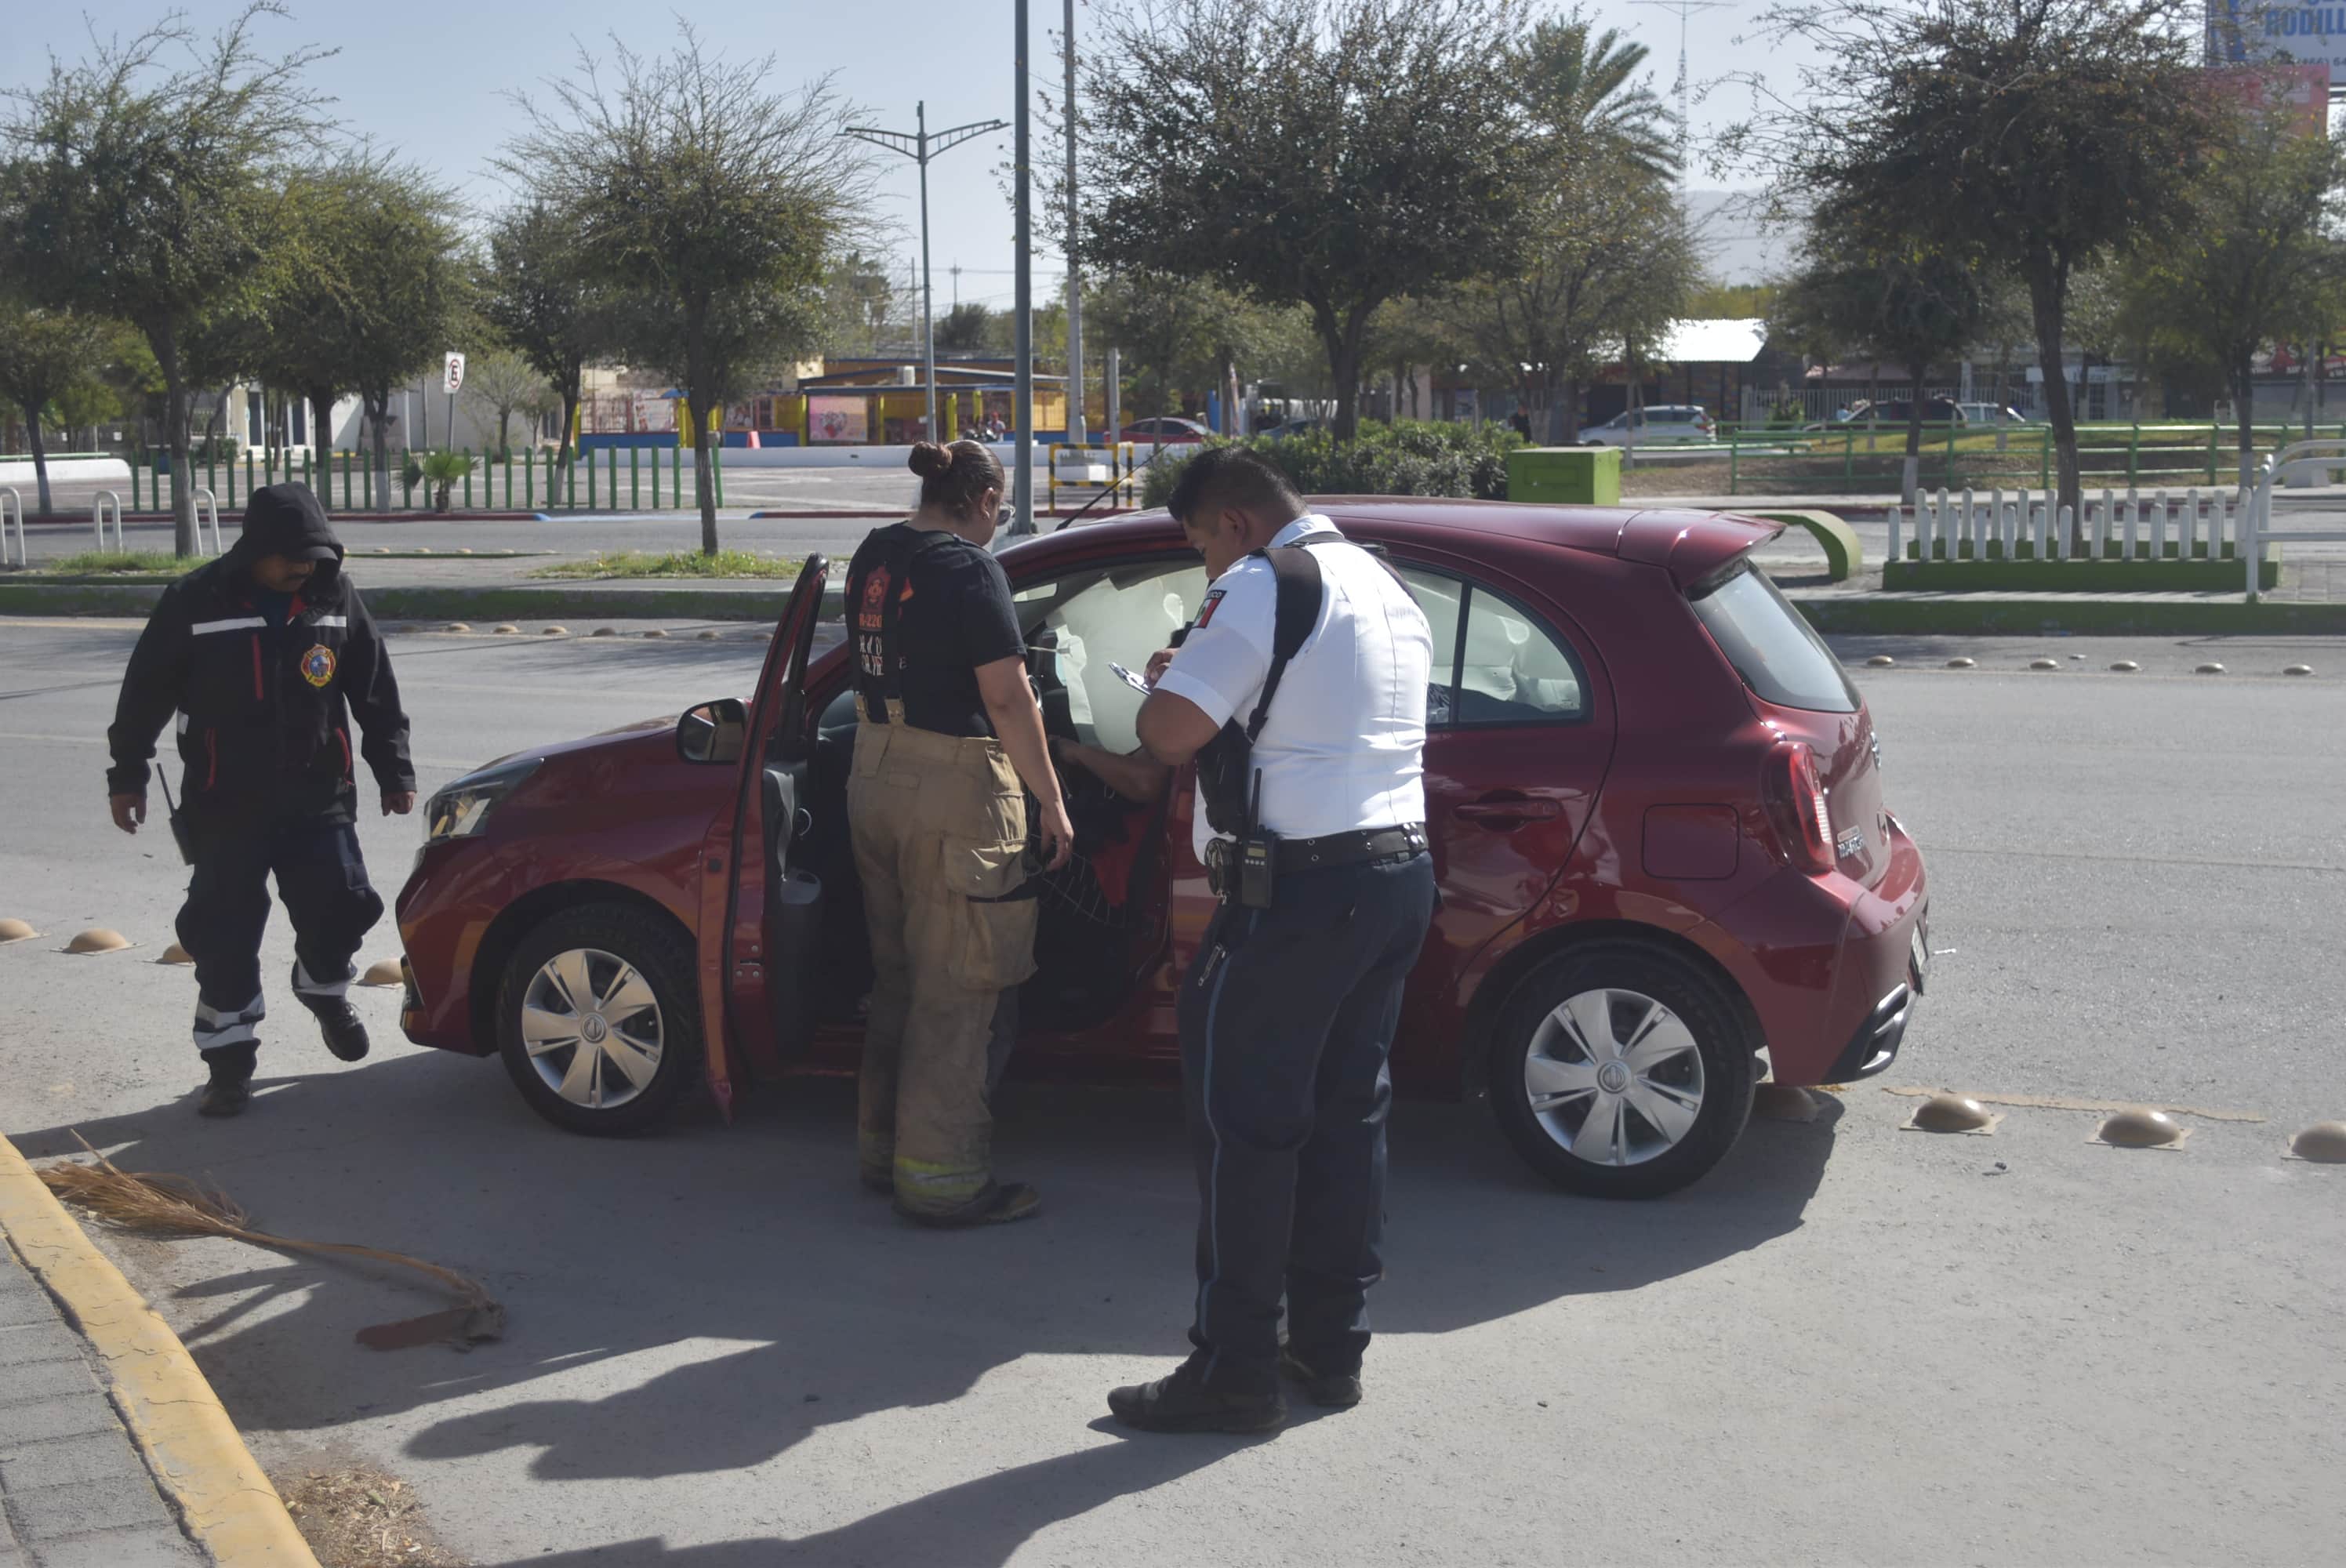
1684, 10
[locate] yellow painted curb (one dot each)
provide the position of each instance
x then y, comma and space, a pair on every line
174, 1417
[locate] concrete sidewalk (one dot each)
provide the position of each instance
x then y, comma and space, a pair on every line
113, 1451
74, 1488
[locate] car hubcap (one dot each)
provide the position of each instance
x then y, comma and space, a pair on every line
592, 1028
1614, 1077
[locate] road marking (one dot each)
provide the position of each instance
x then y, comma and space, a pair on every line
1937, 849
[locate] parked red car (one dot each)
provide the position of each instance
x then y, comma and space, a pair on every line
1652, 794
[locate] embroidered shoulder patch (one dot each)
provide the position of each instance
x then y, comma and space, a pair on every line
1206, 610
318, 665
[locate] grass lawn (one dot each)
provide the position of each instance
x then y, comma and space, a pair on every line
677, 564
97, 563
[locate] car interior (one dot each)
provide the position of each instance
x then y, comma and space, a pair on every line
1103, 918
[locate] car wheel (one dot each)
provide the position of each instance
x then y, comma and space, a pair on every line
1621, 1072
597, 1019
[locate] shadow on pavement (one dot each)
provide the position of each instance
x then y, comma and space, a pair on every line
700, 1300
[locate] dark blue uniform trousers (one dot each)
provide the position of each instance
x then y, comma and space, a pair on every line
323, 881
1287, 1019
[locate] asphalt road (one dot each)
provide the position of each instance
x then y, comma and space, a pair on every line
1850, 1344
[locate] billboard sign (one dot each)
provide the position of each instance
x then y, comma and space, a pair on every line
2297, 93
840, 419
2277, 32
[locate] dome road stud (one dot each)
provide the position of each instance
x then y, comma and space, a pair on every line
1954, 1113
460, 627
709, 637
656, 632
2209, 669
2044, 664
383, 972
604, 632
175, 954
95, 940
15, 930
1880, 661
556, 632
2324, 1142
2126, 666
506, 630
2297, 670
1963, 664
2142, 1129
1783, 1102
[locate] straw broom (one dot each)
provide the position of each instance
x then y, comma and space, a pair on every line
174, 1205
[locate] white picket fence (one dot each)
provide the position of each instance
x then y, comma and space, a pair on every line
2024, 524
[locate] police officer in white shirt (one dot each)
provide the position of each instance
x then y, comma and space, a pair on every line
1300, 691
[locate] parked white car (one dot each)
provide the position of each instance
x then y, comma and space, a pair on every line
1650, 426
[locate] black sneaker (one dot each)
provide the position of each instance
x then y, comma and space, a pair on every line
339, 1023
230, 1087
1182, 1403
1329, 1391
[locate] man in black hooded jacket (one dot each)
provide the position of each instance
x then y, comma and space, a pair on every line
258, 654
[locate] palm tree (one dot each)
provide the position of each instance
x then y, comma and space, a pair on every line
1578, 89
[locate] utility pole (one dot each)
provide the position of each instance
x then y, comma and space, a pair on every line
1022, 518
921, 146
1075, 269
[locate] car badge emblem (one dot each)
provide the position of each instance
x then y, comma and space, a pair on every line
318, 665
1851, 843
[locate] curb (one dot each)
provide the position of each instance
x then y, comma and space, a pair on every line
175, 1420
1861, 614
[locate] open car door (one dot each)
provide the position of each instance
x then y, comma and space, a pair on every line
761, 913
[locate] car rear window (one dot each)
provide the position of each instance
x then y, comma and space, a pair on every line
1780, 656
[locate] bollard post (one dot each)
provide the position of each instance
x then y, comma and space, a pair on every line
2102, 527
468, 478
635, 479
2132, 508
1994, 524
1942, 525
1895, 513
1923, 530
2158, 526
655, 491
2041, 524
1969, 539
590, 480
2187, 540
2060, 540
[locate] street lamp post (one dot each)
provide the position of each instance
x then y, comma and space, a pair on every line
919, 147
1076, 431
1023, 482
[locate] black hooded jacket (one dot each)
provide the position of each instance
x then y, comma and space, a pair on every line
262, 729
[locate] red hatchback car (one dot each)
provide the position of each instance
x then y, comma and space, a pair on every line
1652, 794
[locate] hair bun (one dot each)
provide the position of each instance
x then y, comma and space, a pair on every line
931, 459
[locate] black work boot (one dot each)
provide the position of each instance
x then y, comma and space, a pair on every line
1329, 1391
999, 1203
230, 1089
338, 1022
1182, 1403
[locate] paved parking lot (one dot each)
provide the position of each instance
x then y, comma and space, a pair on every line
1849, 1344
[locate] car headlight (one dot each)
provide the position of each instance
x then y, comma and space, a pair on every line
463, 809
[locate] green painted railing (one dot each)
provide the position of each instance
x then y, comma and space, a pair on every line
1760, 460
345, 481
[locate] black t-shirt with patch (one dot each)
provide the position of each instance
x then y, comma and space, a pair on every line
957, 616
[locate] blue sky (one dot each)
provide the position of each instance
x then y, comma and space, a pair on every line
432, 79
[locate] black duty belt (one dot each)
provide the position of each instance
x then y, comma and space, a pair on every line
1329, 849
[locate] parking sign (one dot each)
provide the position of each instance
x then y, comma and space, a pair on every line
455, 378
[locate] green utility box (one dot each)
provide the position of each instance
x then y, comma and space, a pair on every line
1565, 476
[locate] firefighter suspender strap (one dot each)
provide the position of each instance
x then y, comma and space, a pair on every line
877, 597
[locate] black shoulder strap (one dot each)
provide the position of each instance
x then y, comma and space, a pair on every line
1297, 576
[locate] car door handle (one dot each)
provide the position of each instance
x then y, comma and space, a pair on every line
1507, 813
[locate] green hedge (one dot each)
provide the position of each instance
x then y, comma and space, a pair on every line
1413, 457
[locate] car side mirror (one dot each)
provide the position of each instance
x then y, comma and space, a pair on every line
713, 732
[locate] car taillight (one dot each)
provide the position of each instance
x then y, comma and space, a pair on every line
1796, 806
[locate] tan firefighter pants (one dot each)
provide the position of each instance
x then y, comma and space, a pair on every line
939, 824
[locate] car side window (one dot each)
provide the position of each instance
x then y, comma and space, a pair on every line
1077, 625
1493, 662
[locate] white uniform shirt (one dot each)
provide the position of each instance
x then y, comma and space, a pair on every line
1343, 746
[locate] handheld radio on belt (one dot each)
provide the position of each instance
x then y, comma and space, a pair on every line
1229, 785
181, 834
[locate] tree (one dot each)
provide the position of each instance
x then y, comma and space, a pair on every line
1328, 154
717, 200
966, 328
503, 382
43, 355
1580, 88
1912, 309
2045, 133
542, 297
2255, 261
145, 195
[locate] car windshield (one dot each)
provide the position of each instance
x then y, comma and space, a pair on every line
1777, 654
